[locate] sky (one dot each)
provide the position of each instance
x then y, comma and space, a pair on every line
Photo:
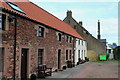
89, 12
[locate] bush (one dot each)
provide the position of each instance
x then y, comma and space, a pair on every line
92, 55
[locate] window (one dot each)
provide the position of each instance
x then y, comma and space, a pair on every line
75, 27
82, 42
66, 54
78, 53
41, 32
14, 6
2, 21
40, 56
84, 31
67, 38
1, 59
79, 42
70, 39
70, 54
59, 37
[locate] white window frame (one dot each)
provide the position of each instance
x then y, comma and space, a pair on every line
58, 37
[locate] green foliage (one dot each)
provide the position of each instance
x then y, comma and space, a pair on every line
113, 45
116, 52
92, 55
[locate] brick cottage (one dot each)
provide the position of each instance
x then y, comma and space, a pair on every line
41, 38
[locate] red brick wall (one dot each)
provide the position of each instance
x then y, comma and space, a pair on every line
27, 38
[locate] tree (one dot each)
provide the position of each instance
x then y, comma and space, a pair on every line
116, 52
113, 45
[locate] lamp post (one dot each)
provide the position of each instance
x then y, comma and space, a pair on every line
15, 32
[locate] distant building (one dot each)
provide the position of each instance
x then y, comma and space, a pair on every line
93, 44
116, 53
110, 52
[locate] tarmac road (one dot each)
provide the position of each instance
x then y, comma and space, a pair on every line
105, 69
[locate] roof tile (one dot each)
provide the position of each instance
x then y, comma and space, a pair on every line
36, 13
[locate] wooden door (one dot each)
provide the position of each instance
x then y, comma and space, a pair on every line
1, 61
59, 59
24, 63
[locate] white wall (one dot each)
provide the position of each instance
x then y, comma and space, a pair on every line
82, 48
111, 56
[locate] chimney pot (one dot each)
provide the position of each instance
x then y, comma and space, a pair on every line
69, 13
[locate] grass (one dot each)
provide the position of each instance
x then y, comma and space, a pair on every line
106, 61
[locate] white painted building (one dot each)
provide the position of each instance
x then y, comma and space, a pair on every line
110, 52
81, 50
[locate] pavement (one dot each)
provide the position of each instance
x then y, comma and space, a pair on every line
104, 69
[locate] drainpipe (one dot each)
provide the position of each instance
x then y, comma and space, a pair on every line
15, 33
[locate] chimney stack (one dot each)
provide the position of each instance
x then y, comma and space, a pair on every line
98, 30
69, 13
81, 23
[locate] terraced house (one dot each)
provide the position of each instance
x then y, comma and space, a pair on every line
33, 36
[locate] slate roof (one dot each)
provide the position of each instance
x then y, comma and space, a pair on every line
34, 12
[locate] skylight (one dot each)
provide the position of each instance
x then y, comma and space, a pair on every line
14, 6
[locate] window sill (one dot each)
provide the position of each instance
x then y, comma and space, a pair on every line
69, 43
40, 37
59, 41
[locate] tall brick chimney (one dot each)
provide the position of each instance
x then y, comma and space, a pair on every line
69, 13
99, 30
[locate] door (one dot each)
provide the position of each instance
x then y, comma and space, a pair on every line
1, 61
59, 59
40, 56
24, 63
74, 56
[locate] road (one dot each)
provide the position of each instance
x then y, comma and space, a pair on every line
107, 69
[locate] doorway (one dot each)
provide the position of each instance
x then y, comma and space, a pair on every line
40, 56
1, 61
73, 56
59, 59
24, 63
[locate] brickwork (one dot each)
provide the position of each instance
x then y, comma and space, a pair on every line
27, 38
